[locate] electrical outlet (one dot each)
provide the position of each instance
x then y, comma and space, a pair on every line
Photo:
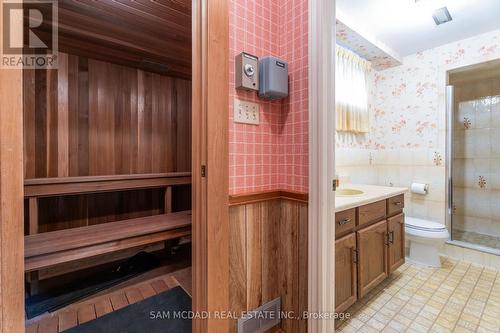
246, 112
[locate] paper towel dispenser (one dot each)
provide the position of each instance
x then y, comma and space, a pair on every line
273, 78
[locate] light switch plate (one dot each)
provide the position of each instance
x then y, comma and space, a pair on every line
246, 112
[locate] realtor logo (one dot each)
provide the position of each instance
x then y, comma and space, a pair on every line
29, 34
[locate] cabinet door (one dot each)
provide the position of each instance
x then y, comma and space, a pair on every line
372, 261
396, 229
345, 272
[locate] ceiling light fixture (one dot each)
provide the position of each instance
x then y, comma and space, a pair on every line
441, 15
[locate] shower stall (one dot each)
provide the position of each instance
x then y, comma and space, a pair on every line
473, 156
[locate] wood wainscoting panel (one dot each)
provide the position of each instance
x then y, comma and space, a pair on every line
237, 261
268, 257
254, 222
270, 229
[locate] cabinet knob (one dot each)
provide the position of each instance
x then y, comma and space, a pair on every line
397, 203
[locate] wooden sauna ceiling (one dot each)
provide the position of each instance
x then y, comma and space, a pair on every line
154, 35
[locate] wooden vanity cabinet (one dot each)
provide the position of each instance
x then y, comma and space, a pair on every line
370, 245
345, 272
372, 262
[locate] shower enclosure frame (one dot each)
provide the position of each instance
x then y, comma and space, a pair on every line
449, 106
450, 121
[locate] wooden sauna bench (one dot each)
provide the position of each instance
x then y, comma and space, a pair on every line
47, 249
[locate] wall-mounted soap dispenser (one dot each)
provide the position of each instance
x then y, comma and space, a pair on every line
273, 78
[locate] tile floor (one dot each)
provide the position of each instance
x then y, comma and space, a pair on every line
459, 297
476, 238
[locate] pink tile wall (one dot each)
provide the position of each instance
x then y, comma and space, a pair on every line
273, 155
294, 138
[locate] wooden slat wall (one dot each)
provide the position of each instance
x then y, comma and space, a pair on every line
77, 211
268, 246
91, 118
96, 118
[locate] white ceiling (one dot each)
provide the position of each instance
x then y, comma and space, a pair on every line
407, 27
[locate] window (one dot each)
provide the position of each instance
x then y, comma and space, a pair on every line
351, 93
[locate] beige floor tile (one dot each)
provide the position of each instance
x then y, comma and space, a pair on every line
402, 320
467, 324
459, 329
347, 329
446, 323
374, 323
488, 325
482, 329
417, 327
470, 318
459, 297
440, 329
397, 326
367, 329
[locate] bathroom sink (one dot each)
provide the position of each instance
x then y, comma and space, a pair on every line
348, 192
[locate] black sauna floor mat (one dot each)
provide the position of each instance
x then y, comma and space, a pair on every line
162, 313
66, 295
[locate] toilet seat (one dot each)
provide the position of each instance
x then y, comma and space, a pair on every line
424, 228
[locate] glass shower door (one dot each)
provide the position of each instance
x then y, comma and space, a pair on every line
475, 164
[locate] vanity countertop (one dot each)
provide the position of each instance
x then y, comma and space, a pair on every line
372, 193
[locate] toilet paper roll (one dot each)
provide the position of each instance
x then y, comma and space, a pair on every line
419, 188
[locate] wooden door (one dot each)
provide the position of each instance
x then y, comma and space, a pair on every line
345, 272
372, 261
396, 251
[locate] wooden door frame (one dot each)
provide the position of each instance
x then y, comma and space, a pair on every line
210, 191
321, 249
11, 200
210, 168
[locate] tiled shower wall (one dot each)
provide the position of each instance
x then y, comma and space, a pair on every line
274, 154
408, 124
476, 174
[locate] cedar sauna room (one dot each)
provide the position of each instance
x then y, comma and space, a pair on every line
107, 164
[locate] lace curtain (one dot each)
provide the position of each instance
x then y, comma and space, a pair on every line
351, 92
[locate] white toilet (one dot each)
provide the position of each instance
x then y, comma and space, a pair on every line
426, 239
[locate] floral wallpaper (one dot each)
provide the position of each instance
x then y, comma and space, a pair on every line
357, 43
407, 139
405, 106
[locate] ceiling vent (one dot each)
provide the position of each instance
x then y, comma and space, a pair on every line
441, 15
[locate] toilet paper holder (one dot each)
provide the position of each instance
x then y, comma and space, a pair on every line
419, 188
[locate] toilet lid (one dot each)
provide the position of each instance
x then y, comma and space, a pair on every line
425, 225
